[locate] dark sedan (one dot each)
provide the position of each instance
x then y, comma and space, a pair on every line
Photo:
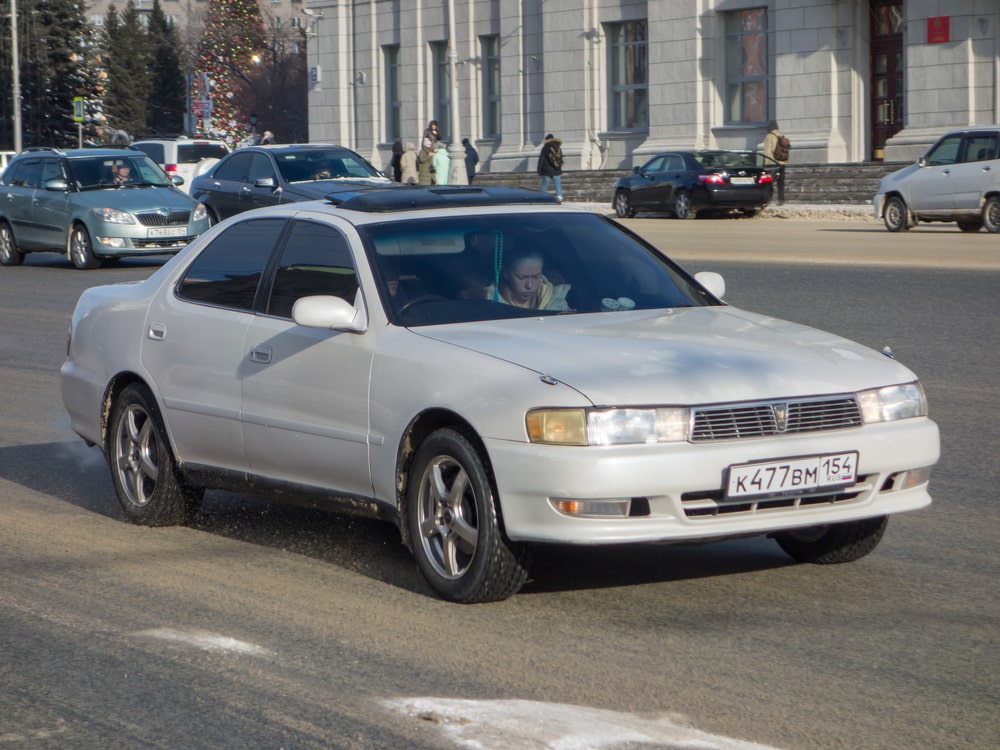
259, 176
686, 182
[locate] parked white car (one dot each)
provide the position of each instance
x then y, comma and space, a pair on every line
488, 369
958, 180
185, 157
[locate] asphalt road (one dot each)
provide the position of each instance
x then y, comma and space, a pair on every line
267, 626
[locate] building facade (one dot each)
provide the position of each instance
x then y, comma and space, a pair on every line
617, 80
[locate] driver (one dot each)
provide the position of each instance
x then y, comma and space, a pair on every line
522, 284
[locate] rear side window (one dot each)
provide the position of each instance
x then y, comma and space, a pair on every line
192, 153
981, 147
228, 271
154, 150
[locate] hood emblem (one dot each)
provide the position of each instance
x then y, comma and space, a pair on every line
780, 417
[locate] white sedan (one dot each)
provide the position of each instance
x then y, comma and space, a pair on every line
488, 370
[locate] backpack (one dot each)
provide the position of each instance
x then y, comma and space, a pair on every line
555, 156
781, 148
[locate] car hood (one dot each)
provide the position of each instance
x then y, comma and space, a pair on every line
135, 199
322, 188
682, 356
899, 174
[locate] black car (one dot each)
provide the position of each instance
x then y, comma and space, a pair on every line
686, 182
259, 176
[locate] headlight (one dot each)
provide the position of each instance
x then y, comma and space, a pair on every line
893, 402
114, 216
199, 212
608, 426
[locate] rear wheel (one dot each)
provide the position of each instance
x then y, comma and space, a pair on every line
749, 212
142, 466
833, 543
895, 215
457, 541
9, 253
991, 214
81, 250
682, 205
623, 205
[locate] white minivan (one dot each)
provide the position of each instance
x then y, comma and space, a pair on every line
183, 156
958, 179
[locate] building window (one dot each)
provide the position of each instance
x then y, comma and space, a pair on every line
629, 74
276, 22
441, 86
490, 53
393, 104
746, 66
295, 22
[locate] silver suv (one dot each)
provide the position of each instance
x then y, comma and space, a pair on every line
186, 157
958, 179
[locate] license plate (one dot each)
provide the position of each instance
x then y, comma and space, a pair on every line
741, 181
167, 231
794, 476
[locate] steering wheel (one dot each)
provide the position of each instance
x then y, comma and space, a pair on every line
419, 300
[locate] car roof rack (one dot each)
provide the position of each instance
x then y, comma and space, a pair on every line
50, 149
388, 200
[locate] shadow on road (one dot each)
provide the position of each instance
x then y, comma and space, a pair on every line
71, 473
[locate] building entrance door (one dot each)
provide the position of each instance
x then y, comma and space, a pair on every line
887, 90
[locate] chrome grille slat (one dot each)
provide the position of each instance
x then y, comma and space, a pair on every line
740, 421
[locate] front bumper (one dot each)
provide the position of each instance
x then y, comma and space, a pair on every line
668, 476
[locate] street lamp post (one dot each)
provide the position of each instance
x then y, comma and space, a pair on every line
15, 72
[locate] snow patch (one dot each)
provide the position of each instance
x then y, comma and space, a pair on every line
204, 640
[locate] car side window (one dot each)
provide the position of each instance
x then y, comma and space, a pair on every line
260, 167
654, 165
674, 164
228, 271
981, 147
233, 168
316, 259
28, 174
945, 152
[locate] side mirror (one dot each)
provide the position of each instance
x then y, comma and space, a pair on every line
58, 185
636, 170
329, 312
922, 161
267, 182
177, 179
713, 283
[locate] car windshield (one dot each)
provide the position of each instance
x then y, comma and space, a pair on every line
316, 164
104, 172
716, 159
497, 266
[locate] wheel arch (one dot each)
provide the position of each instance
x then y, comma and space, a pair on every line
116, 385
416, 432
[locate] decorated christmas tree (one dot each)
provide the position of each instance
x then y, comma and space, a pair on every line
233, 43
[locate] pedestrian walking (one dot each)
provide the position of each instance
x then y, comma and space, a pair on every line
396, 163
550, 162
471, 159
776, 146
425, 166
408, 165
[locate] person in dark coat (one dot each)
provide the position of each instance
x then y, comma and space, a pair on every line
397, 161
471, 159
550, 162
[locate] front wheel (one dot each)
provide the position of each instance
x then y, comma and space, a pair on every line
623, 205
991, 214
10, 255
81, 250
833, 543
970, 226
895, 215
457, 541
142, 466
682, 205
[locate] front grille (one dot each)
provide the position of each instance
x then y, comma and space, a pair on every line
712, 503
158, 219
738, 421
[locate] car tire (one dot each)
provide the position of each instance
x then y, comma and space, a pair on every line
682, 205
991, 214
895, 215
834, 543
10, 255
970, 226
81, 249
749, 212
455, 531
143, 468
213, 218
623, 205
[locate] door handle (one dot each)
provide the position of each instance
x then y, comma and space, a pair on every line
261, 354
156, 332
